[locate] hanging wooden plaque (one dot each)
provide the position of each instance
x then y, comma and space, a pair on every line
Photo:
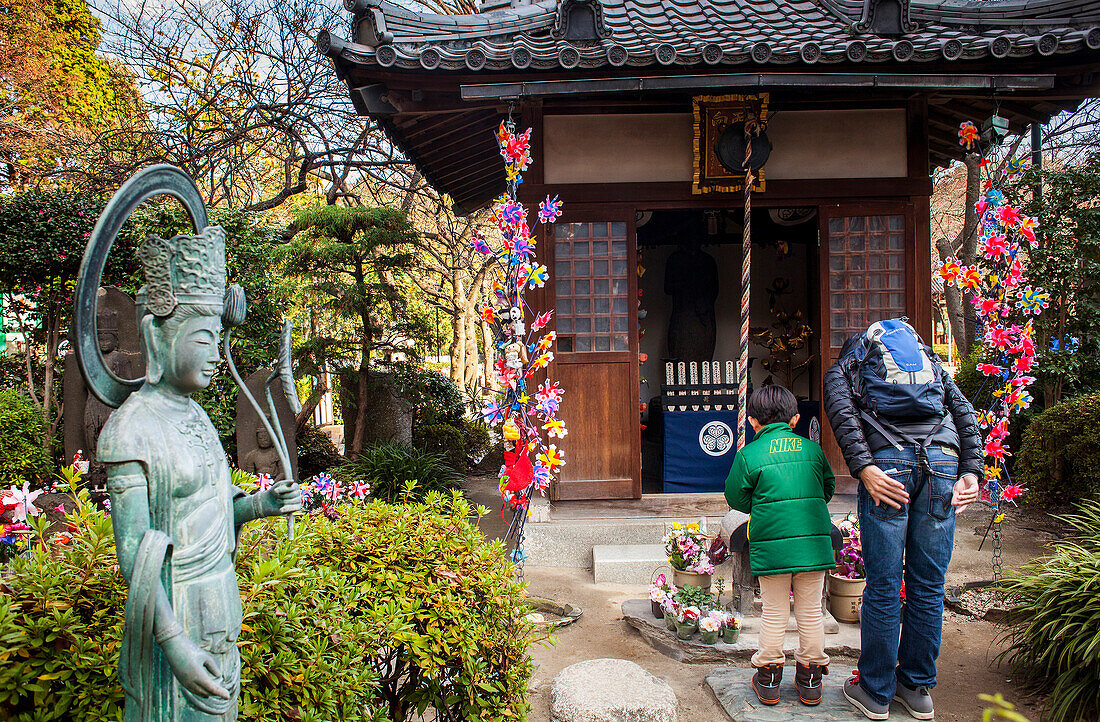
713, 113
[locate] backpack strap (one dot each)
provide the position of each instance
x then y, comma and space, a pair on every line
896, 436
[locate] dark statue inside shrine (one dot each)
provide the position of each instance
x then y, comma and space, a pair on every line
691, 279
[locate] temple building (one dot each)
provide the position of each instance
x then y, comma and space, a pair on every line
639, 110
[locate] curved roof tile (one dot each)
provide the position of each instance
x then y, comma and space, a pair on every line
786, 27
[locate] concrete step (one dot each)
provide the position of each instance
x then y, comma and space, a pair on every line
569, 542
628, 563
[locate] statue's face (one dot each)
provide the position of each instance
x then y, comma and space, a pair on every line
194, 354
108, 341
263, 439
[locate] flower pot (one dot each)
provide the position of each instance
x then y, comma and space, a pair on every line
685, 630
845, 598
670, 621
730, 635
683, 579
657, 609
709, 637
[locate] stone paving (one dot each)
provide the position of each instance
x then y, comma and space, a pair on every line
731, 686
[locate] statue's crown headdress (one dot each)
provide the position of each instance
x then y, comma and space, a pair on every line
182, 270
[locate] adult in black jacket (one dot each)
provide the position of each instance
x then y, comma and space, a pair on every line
909, 495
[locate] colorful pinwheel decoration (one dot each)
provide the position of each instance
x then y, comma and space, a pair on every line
526, 414
1004, 304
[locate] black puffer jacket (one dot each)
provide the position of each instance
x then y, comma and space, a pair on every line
858, 441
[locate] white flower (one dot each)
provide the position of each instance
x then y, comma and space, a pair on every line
709, 624
24, 502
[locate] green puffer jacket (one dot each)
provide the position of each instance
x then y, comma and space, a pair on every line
784, 482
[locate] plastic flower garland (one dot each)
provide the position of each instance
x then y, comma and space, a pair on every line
1003, 302
521, 410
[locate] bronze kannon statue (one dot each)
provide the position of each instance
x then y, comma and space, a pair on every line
176, 514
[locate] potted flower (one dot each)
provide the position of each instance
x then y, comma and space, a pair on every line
659, 591
670, 608
731, 628
687, 620
689, 555
709, 629
847, 581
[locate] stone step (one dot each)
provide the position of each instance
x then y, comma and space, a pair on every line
569, 542
628, 563
552, 541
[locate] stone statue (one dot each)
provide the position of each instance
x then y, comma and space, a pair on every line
95, 411
264, 458
691, 278
84, 414
257, 451
176, 514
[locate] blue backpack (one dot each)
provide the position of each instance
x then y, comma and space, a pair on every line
893, 373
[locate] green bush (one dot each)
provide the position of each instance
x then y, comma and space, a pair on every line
22, 457
478, 440
1054, 623
1060, 454
446, 440
435, 398
316, 452
968, 378
388, 467
379, 614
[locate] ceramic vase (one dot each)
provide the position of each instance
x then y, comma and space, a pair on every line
694, 579
845, 598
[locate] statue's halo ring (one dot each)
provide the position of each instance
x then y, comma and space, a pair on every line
146, 183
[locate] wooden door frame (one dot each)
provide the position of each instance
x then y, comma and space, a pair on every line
594, 213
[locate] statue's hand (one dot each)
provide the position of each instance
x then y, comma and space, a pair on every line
194, 667
284, 497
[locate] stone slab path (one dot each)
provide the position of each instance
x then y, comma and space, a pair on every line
731, 686
636, 612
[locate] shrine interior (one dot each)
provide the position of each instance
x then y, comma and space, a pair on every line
689, 263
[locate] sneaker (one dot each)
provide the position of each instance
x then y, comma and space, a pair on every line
807, 680
863, 702
766, 683
917, 701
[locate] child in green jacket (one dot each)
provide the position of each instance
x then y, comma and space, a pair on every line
785, 482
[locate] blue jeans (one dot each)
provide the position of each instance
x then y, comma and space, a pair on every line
922, 533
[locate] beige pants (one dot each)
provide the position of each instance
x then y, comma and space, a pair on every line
775, 592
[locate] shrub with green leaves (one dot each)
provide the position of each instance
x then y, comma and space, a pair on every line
1054, 623
1060, 453
316, 452
446, 440
381, 613
389, 467
22, 457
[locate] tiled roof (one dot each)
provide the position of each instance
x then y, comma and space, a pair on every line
715, 32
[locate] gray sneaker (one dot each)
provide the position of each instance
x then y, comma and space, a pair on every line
917, 701
863, 702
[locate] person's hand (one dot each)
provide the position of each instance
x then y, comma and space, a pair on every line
284, 497
883, 488
194, 667
965, 493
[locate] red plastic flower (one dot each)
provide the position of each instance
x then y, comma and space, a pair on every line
1012, 492
968, 134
